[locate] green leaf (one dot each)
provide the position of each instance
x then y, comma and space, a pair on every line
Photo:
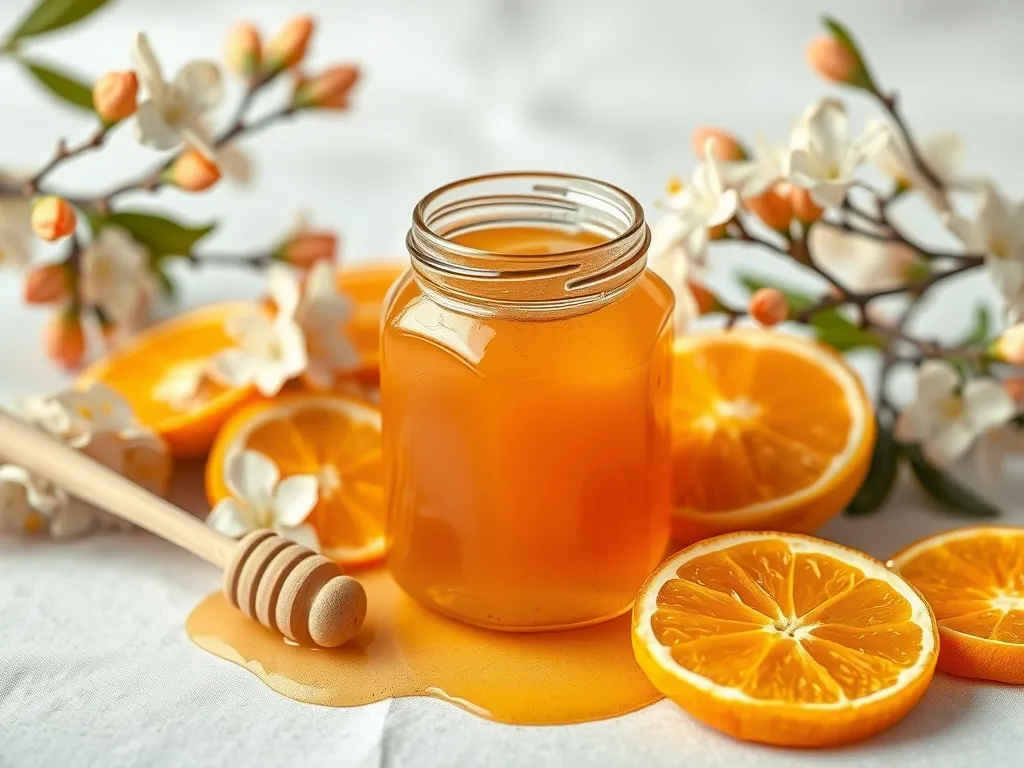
981, 329
829, 325
861, 77
63, 85
881, 477
162, 236
49, 15
950, 495
164, 280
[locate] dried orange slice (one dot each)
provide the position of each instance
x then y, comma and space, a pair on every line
153, 367
785, 639
335, 438
973, 578
770, 432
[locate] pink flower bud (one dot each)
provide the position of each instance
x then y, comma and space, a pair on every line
53, 218
115, 96
193, 171
768, 307
805, 209
832, 60
328, 90
242, 50
308, 247
773, 208
288, 47
46, 284
1009, 347
726, 147
64, 339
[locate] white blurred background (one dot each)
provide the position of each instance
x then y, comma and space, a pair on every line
452, 88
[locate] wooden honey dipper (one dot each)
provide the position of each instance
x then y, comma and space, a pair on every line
281, 584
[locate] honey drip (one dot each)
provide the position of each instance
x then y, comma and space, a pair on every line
544, 678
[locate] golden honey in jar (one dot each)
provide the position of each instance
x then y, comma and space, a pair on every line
525, 383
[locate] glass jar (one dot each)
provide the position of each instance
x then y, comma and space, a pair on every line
525, 384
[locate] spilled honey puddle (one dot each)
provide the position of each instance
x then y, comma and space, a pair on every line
404, 650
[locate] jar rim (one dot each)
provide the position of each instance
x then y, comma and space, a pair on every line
489, 282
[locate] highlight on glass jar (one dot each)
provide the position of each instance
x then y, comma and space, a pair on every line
525, 385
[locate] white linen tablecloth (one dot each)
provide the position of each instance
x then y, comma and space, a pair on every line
95, 667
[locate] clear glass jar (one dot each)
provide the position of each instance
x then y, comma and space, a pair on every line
525, 383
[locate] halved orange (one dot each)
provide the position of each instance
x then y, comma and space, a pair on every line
769, 431
335, 438
367, 286
149, 363
973, 578
785, 639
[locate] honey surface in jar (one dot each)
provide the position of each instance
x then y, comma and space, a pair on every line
528, 459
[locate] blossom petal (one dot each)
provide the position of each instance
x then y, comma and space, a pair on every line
727, 204
201, 83
936, 380
943, 153
967, 232
301, 534
151, 130
830, 194
949, 443
284, 290
252, 476
147, 67
72, 520
294, 499
234, 163
866, 146
231, 518
987, 405
233, 368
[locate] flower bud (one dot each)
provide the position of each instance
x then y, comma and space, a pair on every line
64, 339
46, 284
53, 218
768, 307
1009, 347
1014, 388
805, 209
115, 96
773, 208
836, 58
308, 247
726, 147
707, 302
328, 90
288, 47
193, 171
242, 51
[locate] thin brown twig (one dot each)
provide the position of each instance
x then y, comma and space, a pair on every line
64, 153
890, 103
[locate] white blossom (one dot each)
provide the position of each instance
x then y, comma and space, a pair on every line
179, 385
942, 153
862, 263
322, 313
115, 276
822, 157
260, 499
947, 416
768, 165
998, 234
171, 113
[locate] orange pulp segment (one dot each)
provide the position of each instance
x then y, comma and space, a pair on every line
769, 431
147, 367
973, 578
336, 439
785, 639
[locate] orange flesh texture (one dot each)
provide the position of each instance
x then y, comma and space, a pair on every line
345, 456
137, 370
798, 420
529, 473
975, 586
839, 635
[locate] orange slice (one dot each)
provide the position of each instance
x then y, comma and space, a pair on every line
147, 368
769, 431
973, 578
338, 440
367, 287
785, 639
